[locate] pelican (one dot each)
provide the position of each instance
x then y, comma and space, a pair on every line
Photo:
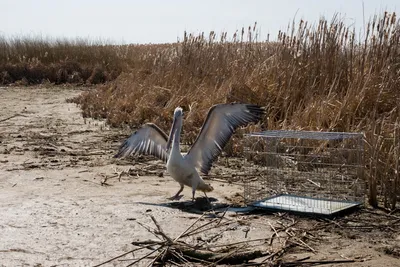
221, 122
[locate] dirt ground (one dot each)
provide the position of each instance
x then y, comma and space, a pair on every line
62, 204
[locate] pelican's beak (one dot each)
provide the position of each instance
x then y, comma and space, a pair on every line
171, 135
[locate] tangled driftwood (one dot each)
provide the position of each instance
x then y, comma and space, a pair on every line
256, 252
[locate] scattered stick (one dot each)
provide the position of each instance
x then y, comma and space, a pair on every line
184, 232
314, 183
160, 231
309, 263
302, 243
13, 116
274, 234
242, 242
122, 255
144, 257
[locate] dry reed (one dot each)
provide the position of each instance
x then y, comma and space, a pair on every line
35, 60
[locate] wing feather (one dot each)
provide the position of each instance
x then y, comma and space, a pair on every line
148, 140
221, 122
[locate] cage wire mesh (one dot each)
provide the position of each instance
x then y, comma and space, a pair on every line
304, 171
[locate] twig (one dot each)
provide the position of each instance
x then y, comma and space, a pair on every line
198, 228
176, 254
241, 242
332, 221
393, 223
145, 256
124, 254
298, 263
160, 231
160, 255
279, 252
316, 184
187, 229
384, 214
149, 229
13, 116
275, 233
196, 259
229, 254
304, 244
393, 211
223, 215
196, 231
148, 242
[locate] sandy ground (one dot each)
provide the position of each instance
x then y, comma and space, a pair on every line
55, 210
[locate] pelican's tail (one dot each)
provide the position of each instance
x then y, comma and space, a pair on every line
205, 187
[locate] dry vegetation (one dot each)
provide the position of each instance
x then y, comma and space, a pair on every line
314, 77
27, 60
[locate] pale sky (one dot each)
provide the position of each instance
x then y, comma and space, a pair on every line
159, 21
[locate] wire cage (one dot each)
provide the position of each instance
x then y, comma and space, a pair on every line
304, 171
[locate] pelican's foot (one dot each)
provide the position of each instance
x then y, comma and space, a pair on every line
176, 197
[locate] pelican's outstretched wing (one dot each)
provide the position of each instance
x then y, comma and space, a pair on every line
148, 140
222, 120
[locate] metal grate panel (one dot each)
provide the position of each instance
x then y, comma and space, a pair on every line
305, 204
310, 166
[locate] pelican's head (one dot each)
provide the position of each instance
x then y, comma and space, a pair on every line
178, 118
178, 113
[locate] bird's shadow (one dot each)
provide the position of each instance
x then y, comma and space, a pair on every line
199, 206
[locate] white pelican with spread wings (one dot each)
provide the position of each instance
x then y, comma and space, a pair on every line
221, 122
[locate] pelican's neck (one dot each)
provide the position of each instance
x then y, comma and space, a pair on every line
176, 138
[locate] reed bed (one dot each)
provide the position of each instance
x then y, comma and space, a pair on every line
26, 60
322, 76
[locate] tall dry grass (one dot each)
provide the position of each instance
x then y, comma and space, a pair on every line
33, 60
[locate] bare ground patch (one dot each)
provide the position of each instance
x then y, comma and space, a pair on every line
65, 202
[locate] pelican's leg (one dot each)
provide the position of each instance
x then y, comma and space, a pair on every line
208, 200
211, 206
194, 187
177, 196
193, 193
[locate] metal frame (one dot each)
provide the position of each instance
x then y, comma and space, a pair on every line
291, 168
